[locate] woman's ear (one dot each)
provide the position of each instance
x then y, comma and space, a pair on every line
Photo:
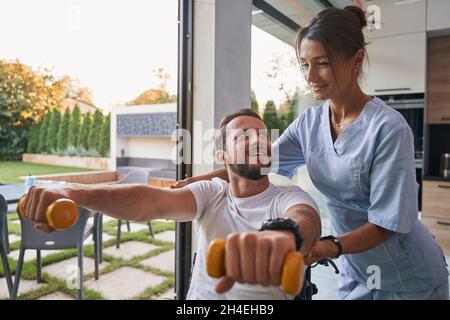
221, 156
358, 60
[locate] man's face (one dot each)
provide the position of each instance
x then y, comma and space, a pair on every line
248, 147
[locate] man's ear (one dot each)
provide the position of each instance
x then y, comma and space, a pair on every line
221, 156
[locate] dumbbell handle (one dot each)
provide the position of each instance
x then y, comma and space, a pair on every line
292, 273
61, 214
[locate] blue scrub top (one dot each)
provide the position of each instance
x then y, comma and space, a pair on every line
367, 175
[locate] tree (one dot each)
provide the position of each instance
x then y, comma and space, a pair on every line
153, 96
163, 76
254, 103
95, 131
270, 116
84, 132
63, 132
288, 111
43, 133
33, 139
52, 138
25, 96
156, 95
74, 90
74, 127
104, 140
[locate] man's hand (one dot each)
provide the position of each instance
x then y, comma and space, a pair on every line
37, 201
255, 258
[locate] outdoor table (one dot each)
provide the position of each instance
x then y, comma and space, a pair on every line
12, 192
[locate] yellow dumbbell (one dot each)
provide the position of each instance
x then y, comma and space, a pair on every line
61, 214
292, 273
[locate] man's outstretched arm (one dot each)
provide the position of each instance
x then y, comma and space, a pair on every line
132, 202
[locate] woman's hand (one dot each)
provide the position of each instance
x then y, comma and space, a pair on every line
182, 183
321, 250
220, 173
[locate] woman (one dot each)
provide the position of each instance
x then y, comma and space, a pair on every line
359, 153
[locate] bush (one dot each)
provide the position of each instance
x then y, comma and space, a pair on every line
84, 132
95, 131
33, 139
43, 133
74, 127
104, 139
63, 131
270, 116
52, 138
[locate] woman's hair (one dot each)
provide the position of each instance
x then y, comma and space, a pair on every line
339, 31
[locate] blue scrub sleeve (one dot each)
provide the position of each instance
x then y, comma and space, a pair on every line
393, 185
287, 154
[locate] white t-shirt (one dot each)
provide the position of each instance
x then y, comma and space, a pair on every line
219, 214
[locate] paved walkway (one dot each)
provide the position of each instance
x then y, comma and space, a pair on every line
142, 268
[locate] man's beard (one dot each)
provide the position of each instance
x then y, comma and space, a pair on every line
252, 172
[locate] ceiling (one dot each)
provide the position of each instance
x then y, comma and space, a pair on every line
281, 18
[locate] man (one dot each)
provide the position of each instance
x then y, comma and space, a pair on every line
234, 210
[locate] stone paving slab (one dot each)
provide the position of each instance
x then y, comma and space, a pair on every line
24, 287
107, 218
30, 254
168, 236
57, 296
14, 238
124, 283
162, 220
130, 249
164, 261
167, 295
106, 237
63, 269
133, 226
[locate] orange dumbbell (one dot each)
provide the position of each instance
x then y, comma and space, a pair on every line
61, 214
292, 273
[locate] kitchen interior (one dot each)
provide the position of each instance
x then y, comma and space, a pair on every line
408, 66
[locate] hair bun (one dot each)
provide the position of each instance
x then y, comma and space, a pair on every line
359, 14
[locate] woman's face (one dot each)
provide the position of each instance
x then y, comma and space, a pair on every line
318, 73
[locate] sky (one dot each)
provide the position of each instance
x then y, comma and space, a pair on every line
113, 46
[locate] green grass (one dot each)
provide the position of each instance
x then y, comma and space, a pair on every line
10, 171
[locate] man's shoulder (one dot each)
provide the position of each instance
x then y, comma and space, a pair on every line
289, 189
214, 186
293, 194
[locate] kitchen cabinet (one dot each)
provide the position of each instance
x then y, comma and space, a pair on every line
397, 65
436, 211
438, 16
438, 81
397, 17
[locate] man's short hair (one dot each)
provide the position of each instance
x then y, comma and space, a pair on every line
221, 136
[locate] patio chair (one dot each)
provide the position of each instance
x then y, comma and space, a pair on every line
3, 236
135, 176
65, 239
